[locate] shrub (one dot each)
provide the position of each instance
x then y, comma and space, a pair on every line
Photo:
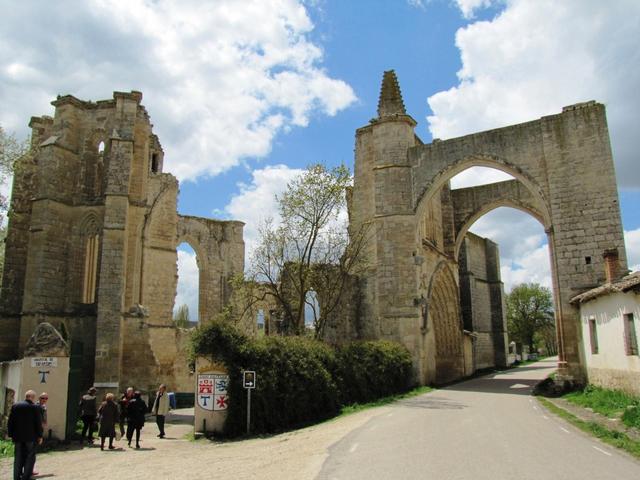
372, 370
299, 380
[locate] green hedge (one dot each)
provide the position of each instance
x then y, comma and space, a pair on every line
372, 370
300, 380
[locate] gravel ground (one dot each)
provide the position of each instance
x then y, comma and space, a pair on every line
293, 455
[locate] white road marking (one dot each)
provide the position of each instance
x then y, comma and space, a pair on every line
535, 408
545, 417
601, 451
564, 430
389, 414
519, 385
530, 400
353, 448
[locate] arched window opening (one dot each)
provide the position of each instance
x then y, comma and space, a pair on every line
186, 304
154, 163
101, 148
311, 310
260, 320
91, 241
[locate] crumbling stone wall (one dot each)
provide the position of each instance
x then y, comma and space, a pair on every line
482, 300
91, 245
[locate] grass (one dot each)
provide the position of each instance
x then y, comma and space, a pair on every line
357, 407
6, 448
611, 403
613, 438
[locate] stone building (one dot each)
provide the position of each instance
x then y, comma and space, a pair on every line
91, 246
418, 289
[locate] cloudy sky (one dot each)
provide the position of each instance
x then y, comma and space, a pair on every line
245, 93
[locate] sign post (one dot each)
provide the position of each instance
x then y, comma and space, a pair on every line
249, 382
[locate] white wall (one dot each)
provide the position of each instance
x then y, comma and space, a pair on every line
611, 367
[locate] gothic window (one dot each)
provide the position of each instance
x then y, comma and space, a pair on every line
154, 163
91, 240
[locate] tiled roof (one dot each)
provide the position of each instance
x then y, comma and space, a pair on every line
630, 282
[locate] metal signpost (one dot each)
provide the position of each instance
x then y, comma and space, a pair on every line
249, 382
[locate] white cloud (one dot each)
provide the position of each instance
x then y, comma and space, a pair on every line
468, 7
538, 56
524, 253
188, 281
256, 201
632, 241
478, 176
220, 79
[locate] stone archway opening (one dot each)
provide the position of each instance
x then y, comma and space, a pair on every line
482, 208
186, 310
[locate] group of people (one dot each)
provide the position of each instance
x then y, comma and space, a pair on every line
129, 411
28, 422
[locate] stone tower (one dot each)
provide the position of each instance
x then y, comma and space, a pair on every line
91, 245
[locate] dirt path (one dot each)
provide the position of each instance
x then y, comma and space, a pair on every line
294, 455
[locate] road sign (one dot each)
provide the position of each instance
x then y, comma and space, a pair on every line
249, 379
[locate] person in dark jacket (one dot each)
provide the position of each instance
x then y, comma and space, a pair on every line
108, 412
88, 413
123, 408
136, 410
25, 429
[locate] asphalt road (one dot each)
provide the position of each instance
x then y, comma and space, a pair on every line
485, 428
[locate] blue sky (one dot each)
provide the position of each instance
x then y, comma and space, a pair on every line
244, 93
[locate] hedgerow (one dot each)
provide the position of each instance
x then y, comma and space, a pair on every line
300, 380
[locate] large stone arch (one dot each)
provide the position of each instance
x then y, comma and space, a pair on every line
220, 254
444, 315
566, 179
469, 204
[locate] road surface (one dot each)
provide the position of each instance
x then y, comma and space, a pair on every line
485, 428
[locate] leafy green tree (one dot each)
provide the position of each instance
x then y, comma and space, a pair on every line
529, 313
10, 150
181, 317
309, 244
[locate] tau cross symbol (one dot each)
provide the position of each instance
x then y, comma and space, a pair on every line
43, 375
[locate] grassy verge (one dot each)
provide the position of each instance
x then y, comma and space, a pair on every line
615, 439
611, 403
357, 407
6, 448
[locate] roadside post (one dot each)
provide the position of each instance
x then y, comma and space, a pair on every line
249, 382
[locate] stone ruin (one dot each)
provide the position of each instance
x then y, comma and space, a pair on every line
93, 231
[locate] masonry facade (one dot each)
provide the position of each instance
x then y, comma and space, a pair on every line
418, 256
91, 246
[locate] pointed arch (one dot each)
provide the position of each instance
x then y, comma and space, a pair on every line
444, 316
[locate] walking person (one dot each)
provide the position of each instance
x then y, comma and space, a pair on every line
136, 410
109, 414
25, 429
161, 408
124, 401
88, 414
42, 403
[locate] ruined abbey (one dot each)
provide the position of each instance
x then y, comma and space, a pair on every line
93, 232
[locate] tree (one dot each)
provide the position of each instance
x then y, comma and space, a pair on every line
181, 317
310, 249
529, 312
10, 150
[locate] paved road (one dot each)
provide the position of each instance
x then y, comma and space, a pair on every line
486, 428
